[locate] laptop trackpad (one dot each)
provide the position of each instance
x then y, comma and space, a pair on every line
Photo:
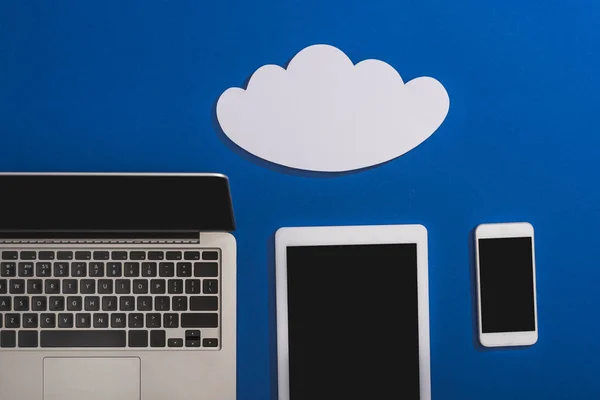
91, 378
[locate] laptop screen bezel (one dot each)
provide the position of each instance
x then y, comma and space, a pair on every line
62, 203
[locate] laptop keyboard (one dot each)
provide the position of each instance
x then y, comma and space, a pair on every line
101, 298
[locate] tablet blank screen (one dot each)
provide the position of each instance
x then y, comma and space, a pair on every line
353, 322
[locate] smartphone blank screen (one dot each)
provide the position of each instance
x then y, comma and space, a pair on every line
353, 322
506, 279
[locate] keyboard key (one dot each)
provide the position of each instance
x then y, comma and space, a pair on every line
56, 303
101, 255
208, 270
199, 320
12, 321
192, 286
100, 320
39, 303
156, 255
61, 269
123, 286
138, 338
136, 320
87, 286
65, 320
149, 269
173, 255
47, 320
204, 303
8, 339
184, 269
191, 255
17, 286
175, 286
10, 255
192, 338
158, 286
162, 303
5, 304
28, 255
114, 269
64, 255
30, 321
166, 269
21, 303
210, 286
119, 255
70, 286
105, 286
8, 269
78, 269
144, 303
83, 255
127, 303
74, 303
118, 321
81, 338
110, 303
192, 334
83, 320
171, 320
26, 269
52, 286
92, 303
96, 269
153, 320
46, 255
43, 269
3, 286
132, 269
158, 338
180, 303
34, 286
140, 286
210, 255
137, 255
175, 342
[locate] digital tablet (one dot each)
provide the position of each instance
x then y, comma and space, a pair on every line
352, 313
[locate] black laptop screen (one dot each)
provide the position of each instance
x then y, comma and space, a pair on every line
115, 203
353, 322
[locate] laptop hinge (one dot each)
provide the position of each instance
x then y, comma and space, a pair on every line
99, 237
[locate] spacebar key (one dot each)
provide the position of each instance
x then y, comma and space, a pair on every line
94, 338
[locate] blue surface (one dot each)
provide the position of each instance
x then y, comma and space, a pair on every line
131, 86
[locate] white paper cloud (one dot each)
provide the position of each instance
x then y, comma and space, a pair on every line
323, 113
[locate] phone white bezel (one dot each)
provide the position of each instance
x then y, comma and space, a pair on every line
349, 235
499, 231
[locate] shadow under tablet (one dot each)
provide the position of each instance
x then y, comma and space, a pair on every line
353, 321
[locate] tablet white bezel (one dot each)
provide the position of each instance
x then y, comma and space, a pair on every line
349, 235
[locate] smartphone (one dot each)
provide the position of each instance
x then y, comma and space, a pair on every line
506, 295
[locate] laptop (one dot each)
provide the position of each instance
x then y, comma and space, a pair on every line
117, 286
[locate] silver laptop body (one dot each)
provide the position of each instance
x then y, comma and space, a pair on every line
117, 287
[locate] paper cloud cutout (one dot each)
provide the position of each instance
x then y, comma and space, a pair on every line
323, 113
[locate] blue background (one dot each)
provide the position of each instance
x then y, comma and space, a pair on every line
131, 86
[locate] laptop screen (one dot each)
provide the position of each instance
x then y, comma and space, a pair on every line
115, 202
353, 329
